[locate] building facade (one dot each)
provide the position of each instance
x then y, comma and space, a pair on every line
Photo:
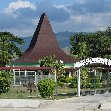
43, 44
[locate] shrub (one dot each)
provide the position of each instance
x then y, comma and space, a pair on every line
61, 84
84, 77
73, 83
104, 85
90, 85
98, 82
69, 79
62, 78
5, 81
46, 87
65, 79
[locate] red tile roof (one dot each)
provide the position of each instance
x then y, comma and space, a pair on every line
25, 68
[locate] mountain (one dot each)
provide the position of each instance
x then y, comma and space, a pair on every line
63, 39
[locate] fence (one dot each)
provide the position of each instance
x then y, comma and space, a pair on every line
25, 77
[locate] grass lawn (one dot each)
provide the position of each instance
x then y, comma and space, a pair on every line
20, 92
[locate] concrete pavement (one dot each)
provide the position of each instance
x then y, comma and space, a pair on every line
98, 102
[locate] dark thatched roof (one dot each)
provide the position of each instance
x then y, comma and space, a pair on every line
44, 44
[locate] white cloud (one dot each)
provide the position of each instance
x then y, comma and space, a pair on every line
62, 7
22, 32
83, 15
80, 1
35, 21
85, 23
13, 6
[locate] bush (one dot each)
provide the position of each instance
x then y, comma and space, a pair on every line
98, 82
5, 81
90, 85
61, 84
73, 83
69, 79
46, 87
62, 78
104, 85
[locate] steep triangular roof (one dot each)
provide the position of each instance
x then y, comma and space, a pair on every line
44, 44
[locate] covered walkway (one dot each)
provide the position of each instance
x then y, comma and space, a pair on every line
95, 62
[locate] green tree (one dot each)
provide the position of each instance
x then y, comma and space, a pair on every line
84, 77
5, 81
108, 31
8, 47
50, 61
58, 66
97, 44
79, 45
82, 50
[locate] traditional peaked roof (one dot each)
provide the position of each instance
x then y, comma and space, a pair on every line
44, 44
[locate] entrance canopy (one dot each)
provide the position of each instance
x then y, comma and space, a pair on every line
90, 61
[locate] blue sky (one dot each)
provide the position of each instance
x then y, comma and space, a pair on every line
21, 17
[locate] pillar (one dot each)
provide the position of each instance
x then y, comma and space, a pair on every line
19, 77
70, 74
35, 77
107, 79
56, 82
49, 75
14, 77
55, 76
95, 81
78, 82
25, 73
